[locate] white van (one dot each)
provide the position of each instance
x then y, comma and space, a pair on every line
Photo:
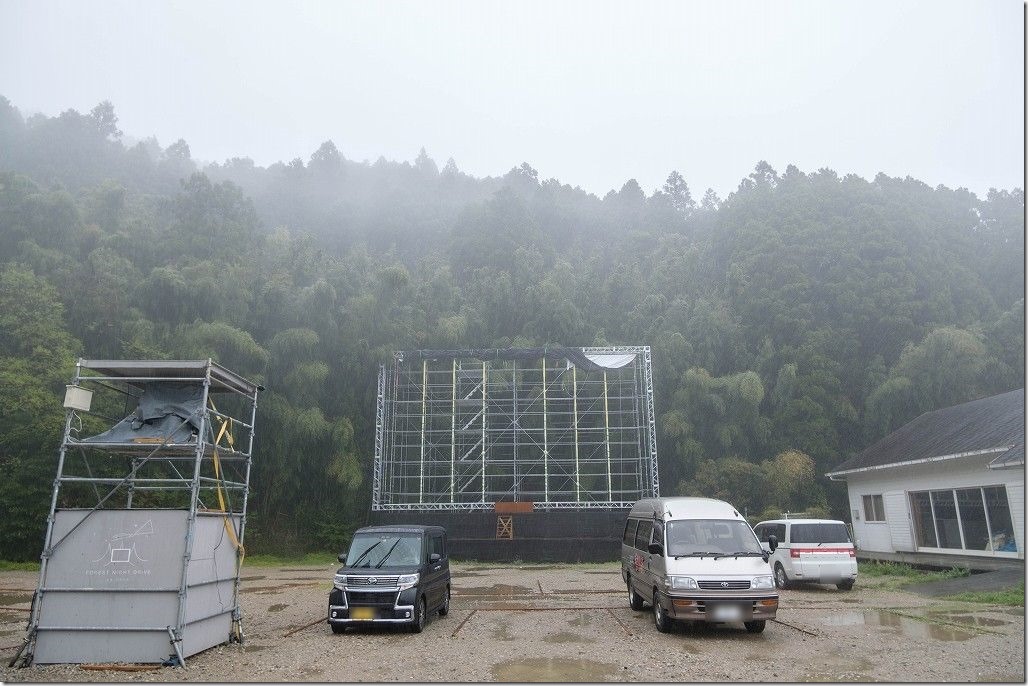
696, 559
818, 550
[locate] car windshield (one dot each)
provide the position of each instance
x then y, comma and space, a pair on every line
711, 536
826, 532
384, 550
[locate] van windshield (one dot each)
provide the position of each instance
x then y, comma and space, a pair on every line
384, 550
828, 532
711, 536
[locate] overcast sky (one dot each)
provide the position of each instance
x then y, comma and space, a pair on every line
592, 93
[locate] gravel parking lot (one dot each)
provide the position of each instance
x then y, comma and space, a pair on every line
573, 623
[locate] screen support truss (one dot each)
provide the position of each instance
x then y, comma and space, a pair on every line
463, 430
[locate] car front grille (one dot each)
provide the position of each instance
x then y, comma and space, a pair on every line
383, 581
370, 598
733, 585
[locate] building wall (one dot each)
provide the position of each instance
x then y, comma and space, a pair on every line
896, 533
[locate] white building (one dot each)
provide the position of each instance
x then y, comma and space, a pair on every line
945, 489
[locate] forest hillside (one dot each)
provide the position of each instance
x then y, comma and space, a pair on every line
792, 323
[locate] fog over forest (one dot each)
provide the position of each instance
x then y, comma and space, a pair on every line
792, 322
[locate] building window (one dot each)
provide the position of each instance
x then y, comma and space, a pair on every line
963, 519
874, 510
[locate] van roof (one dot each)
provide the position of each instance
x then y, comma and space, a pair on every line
400, 528
801, 520
685, 508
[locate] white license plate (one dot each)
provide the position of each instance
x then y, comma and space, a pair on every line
726, 613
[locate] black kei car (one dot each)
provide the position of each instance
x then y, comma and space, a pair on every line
391, 575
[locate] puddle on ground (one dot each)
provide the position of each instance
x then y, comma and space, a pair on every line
304, 569
694, 650
911, 628
502, 633
567, 637
1002, 678
553, 669
256, 577
496, 589
965, 617
505, 606
838, 669
15, 599
277, 588
277, 607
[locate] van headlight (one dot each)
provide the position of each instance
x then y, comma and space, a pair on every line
339, 581
407, 581
763, 582
683, 582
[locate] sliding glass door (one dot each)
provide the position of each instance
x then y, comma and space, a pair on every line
972, 519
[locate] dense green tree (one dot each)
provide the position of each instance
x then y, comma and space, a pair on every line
792, 322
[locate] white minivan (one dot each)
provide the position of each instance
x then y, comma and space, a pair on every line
696, 559
817, 550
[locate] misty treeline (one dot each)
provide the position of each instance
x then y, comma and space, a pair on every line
792, 323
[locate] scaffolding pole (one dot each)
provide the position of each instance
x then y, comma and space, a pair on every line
606, 434
483, 430
453, 432
574, 415
546, 443
424, 414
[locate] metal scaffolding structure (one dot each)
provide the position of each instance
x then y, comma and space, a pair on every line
144, 537
558, 428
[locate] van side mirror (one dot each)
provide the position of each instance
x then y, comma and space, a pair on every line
342, 557
434, 557
772, 542
655, 549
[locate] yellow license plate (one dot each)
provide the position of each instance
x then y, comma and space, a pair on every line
362, 613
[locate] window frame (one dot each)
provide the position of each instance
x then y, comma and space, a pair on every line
877, 512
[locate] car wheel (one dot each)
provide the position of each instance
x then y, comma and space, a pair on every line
845, 585
417, 625
635, 600
781, 578
660, 618
756, 626
338, 628
445, 609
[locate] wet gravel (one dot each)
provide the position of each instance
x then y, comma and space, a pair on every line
573, 623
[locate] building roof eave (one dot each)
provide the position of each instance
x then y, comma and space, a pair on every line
939, 458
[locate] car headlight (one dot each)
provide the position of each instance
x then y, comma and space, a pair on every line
683, 582
763, 582
339, 581
407, 581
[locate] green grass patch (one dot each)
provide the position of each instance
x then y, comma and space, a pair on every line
893, 575
1013, 596
8, 566
308, 560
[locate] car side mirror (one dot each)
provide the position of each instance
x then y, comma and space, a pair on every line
772, 542
342, 557
655, 549
434, 557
